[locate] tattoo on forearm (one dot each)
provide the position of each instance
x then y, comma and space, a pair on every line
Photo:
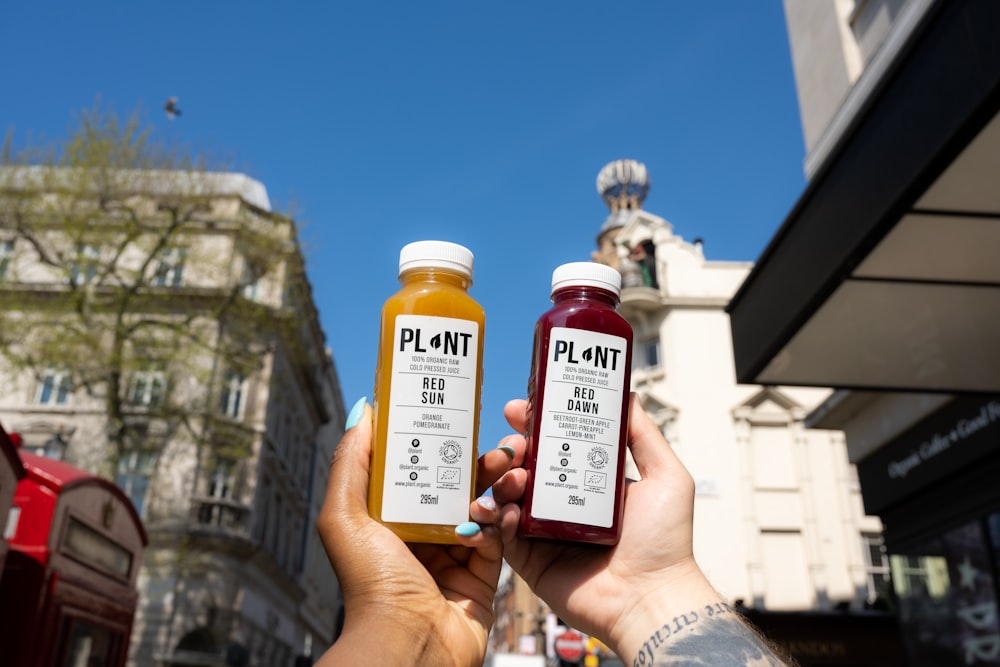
713, 635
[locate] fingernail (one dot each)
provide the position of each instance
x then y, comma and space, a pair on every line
354, 416
487, 502
508, 449
467, 529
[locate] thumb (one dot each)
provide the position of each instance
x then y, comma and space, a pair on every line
653, 456
346, 498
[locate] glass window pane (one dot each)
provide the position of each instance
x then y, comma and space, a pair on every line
877, 566
652, 350
46, 394
64, 389
148, 387
170, 269
947, 605
231, 397
55, 387
135, 468
6, 253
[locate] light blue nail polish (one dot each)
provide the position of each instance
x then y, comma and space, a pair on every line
487, 502
467, 529
508, 449
354, 416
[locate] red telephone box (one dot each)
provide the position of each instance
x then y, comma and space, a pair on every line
67, 593
11, 471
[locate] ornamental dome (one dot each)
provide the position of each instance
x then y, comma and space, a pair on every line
623, 185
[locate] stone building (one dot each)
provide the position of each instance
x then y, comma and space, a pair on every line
228, 413
778, 519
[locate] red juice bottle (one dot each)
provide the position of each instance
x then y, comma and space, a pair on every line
578, 398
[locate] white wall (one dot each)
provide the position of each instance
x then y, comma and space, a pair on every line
777, 512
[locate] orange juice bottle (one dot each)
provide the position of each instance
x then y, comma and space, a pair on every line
427, 396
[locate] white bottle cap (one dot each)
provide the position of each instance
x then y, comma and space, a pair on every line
436, 255
587, 274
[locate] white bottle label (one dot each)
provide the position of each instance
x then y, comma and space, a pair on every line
576, 472
432, 408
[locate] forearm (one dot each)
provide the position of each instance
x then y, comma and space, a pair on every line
371, 643
714, 634
393, 637
691, 625
372, 648
357, 648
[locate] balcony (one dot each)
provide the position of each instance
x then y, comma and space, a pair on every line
220, 517
640, 298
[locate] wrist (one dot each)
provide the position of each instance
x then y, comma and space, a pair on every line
681, 597
686, 620
390, 634
413, 638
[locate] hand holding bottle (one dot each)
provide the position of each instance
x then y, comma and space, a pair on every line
407, 604
646, 597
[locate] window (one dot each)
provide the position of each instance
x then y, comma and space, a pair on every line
148, 388
84, 267
220, 483
55, 387
6, 255
231, 399
250, 280
220, 488
646, 354
946, 597
287, 435
262, 525
135, 468
89, 642
274, 529
876, 565
170, 270
52, 448
919, 575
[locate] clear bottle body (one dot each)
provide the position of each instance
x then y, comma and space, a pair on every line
428, 387
578, 398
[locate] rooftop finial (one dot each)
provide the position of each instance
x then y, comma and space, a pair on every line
623, 185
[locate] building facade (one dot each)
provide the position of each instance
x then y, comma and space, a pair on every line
185, 361
883, 282
778, 519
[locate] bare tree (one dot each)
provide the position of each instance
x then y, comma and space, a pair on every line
138, 277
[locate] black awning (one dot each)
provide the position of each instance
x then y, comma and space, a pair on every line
886, 274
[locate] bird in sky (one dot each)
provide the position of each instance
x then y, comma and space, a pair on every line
171, 108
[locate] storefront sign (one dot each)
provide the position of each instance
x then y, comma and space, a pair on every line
956, 435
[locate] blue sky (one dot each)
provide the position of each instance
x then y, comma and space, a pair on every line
379, 123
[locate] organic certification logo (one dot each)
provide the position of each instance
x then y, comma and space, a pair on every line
597, 458
450, 451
